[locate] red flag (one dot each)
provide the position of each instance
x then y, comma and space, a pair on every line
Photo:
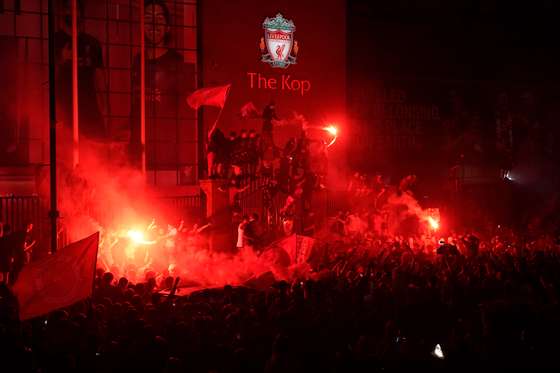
249, 111
60, 280
211, 96
297, 247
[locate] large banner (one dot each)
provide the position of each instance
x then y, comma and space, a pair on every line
59, 280
292, 53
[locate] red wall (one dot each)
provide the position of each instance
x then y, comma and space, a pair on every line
231, 33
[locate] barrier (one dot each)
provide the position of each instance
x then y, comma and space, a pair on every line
191, 205
257, 199
18, 211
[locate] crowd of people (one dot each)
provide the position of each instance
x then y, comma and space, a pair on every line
362, 299
301, 163
236, 154
155, 248
286, 175
387, 304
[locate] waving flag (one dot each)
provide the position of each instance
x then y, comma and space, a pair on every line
210, 96
297, 247
60, 280
249, 111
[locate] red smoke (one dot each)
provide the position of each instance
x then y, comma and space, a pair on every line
105, 194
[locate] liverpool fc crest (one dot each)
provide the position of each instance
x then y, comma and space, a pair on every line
278, 46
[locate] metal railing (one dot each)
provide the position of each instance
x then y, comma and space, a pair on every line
251, 200
191, 205
19, 211
255, 199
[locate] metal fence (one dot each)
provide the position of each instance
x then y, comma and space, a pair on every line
255, 199
251, 200
187, 206
18, 211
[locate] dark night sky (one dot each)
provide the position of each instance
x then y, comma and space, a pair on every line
464, 40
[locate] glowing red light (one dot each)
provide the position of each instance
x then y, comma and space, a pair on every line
333, 131
138, 237
434, 224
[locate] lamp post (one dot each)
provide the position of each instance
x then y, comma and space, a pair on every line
53, 213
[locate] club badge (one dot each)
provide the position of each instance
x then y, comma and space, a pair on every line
278, 47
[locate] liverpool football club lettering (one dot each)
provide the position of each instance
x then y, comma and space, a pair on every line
278, 47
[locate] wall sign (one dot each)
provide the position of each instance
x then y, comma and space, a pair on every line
286, 82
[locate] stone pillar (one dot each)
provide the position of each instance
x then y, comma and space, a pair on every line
216, 200
219, 213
